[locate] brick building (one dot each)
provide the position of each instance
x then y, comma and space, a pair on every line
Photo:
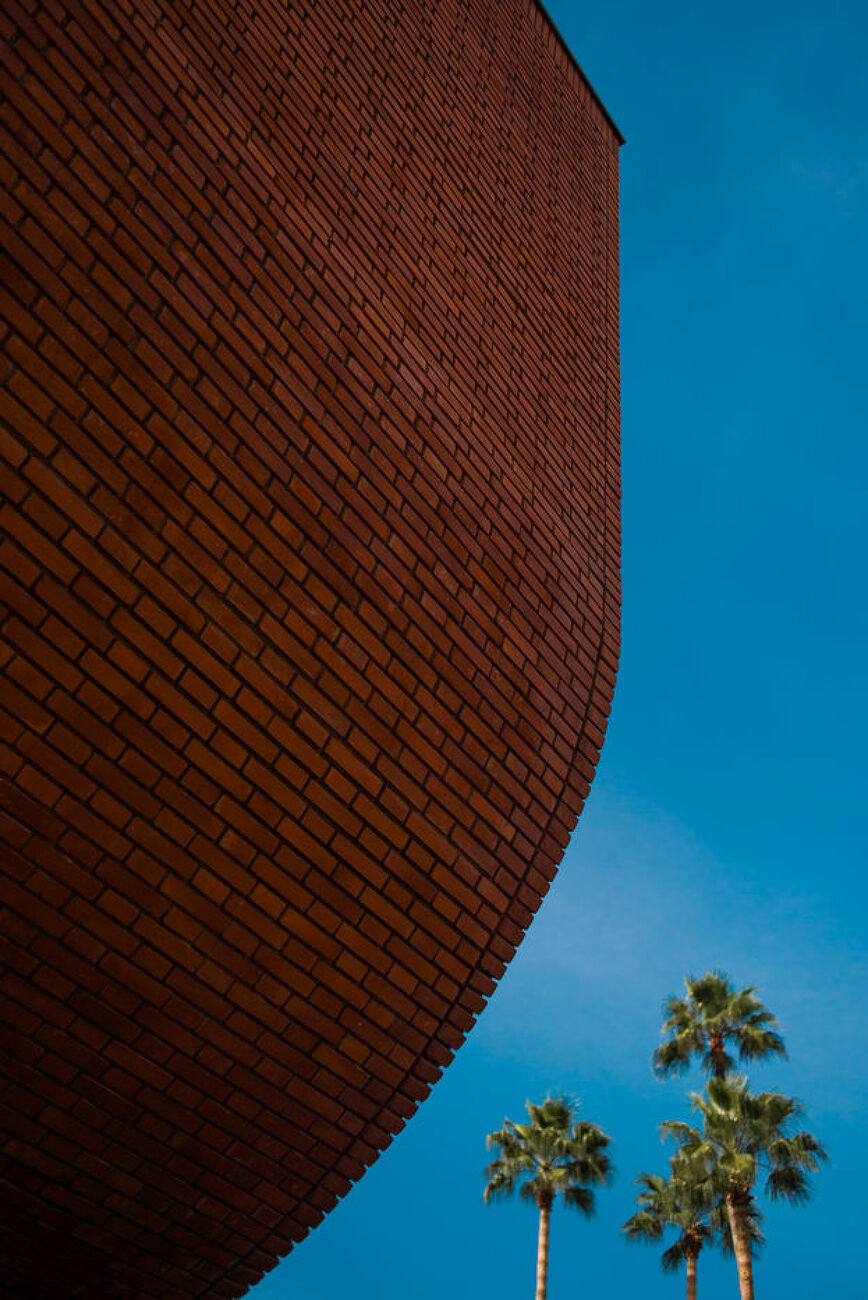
310, 592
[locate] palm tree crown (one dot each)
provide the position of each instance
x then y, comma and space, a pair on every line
710, 1018
683, 1201
747, 1133
555, 1154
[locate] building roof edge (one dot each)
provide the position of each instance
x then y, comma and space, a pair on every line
575, 62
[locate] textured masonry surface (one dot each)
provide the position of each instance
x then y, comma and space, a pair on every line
310, 593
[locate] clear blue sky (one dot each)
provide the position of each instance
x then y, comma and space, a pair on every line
727, 825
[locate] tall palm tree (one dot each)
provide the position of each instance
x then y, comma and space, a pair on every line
745, 1134
682, 1201
556, 1154
710, 1018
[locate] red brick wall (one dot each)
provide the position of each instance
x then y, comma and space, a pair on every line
310, 592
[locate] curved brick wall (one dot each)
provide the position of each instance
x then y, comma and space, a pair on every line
310, 593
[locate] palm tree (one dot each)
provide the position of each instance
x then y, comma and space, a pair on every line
711, 1016
684, 1201
690, 1201
555, 1154
743, 1135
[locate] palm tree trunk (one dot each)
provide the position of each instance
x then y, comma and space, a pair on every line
717, 1051
542, 1254
736, 1210
690, 1260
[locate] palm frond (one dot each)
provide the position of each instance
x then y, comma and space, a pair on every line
755, 1041
673, 1257
644, 1225
500, 1183
581, 1199
675, 1128
790, 1184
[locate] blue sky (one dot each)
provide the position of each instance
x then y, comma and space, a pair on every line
727, 825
